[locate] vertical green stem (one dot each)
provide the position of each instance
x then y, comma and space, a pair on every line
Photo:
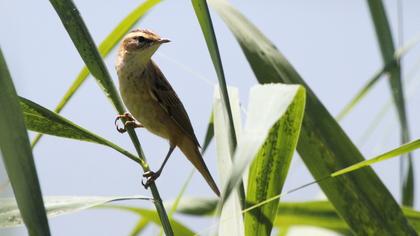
384, 35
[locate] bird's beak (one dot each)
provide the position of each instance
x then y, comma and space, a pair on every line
163, 40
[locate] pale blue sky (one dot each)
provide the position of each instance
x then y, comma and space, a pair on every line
331, 44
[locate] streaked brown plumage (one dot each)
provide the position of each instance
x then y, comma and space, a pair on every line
152, 101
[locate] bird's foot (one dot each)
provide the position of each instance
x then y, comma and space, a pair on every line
131, 122
150, 178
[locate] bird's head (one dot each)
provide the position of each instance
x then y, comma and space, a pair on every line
141, 42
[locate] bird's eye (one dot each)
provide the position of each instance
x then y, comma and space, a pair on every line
142, 39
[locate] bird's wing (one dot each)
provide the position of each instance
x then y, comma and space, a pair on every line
163, 92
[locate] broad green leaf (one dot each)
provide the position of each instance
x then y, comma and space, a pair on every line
56, 206
18, 158
203, 15
386, 44
104, 48
232, 207
268, 171
79, 34
323, 145
42, 120
152, 216
408, 147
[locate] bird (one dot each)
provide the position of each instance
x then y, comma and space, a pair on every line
152, 102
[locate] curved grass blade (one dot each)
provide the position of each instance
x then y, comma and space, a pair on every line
140, 226
232, 208
18, 158
152, 216
269, 169
384, 36
365, 89
104, 48
323, 145
42, 120
56, 206
203, 16
408, 147
375, 78
83, 41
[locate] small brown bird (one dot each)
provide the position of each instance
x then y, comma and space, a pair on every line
153, 103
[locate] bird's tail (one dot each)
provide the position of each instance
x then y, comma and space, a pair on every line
190, 150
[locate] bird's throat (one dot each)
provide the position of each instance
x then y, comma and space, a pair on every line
131, 63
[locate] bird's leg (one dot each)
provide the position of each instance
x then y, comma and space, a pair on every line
131, 122
152, 176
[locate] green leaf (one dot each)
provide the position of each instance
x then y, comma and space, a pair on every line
152, 216
384, 35
104, 48
203, 16
56, 206
232, 207
17, 157
268, 171
393, 153
323, 145
42, 120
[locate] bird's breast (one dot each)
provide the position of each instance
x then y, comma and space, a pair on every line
136, 93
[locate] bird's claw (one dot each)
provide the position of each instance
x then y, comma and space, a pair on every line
150, 178
131, 122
